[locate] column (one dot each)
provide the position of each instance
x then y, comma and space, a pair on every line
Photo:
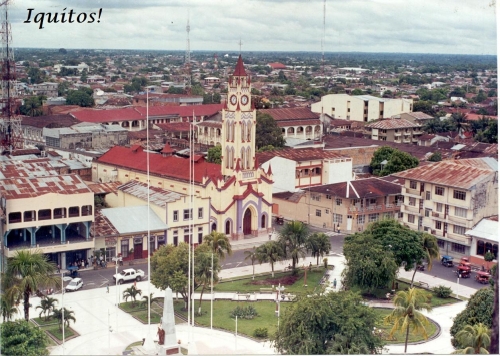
63, 260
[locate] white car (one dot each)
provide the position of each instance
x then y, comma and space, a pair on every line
75, 284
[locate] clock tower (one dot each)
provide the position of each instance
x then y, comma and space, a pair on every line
238, 124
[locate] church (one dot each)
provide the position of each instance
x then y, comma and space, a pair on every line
235, 197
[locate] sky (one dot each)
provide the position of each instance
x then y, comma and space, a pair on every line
409, 26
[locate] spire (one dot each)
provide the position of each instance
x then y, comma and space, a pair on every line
240, 69
269, 170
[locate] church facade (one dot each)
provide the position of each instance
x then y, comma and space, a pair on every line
238, 190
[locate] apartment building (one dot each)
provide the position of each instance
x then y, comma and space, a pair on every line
296, 122
394, 130
361, 107
347, 206
448, 198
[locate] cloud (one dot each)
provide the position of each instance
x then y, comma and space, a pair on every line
444, 26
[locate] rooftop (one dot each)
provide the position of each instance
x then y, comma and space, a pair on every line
360, 188
391, 124
134, 219
291, 114
299, 154
157, 195
29, 187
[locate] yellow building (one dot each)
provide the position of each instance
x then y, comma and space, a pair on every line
238, 194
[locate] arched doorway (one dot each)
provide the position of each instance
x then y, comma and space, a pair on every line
263, 222
228, 227
247, 222
214, 226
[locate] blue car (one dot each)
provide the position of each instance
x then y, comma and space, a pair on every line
447, 261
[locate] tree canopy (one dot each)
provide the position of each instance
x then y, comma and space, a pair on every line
397, 161
267, 132
80, 97
215, 154
332, 323
479, 309
23, 338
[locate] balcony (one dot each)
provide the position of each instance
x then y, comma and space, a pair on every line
436, 215
414, 193
397, 134
51, 245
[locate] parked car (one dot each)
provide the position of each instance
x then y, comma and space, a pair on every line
447, 261
463, 272
74, 285
128, 275
483, 277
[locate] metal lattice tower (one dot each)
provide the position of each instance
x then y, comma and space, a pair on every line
188, 60
10, 124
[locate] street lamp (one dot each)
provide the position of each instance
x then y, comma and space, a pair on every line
62, 305
212, 294
279, 290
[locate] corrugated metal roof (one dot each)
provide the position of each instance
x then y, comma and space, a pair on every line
28, 187
299, 154
157, 195
363, 188
391, 124
453, 173
134, 219
291, 114
485, 229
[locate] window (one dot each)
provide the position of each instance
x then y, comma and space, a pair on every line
480, 248
411, 218
457, 248
74, 211
460, 230
200, 235
458, 194
188, 214
318, 212
461, 212
372, 217
328, 196
187, 235
15, 217
439, 191
338, 201
439, 207
337, 218
200, 213
413, 184
124, 247
86, 210
428, 212
412, 201
440, 243
175, 234
438, 225
315, 197
400, 215
327, 211
45, 214
361, 219
427, 195
176, 215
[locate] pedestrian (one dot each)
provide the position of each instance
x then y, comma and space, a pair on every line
58, 269
335, 283
107, 288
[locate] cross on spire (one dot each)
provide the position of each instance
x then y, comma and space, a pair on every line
240, 43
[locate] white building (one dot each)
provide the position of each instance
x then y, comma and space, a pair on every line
361, 107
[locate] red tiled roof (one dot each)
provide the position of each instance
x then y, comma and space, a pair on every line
277, 65
24, 187
176, 126
450, 173
298, 155
365, 188
240, 68
291, 114
298, 122
103, 188
182, 111
390, 124
171, 166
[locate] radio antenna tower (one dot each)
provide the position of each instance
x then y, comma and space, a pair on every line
188, 60
10, 124
323, 39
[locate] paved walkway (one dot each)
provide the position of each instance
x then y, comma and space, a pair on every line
95, 312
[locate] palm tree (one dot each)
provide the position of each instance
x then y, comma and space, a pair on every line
203, 270
252, 256
28, 272
318, 244
271, 252
219, 243
407, 313
131, 292
8, 308
47, 305
475, 339
293, 238
431, 250
68, 316
147, 300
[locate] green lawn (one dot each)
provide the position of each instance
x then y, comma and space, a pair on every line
399, 337
54, 330
42, 322
222, 319
246, 285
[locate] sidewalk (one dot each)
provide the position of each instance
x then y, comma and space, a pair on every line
95, 311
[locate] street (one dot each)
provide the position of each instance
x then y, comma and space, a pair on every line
101, 277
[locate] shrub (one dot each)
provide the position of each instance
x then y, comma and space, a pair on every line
260, 332
489, 256
248, 312
442, 291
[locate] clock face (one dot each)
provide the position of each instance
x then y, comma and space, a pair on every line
244, 99
233, 99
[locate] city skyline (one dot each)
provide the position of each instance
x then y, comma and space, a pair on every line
446, 27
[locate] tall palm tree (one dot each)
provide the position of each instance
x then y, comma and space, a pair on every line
28, 272
475, 339
219, 243
47, 305
431, 250
147, 299
270, 252
203, 270
131, 292
68, 316
318, 244
252, 256
293, 238
407, 313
